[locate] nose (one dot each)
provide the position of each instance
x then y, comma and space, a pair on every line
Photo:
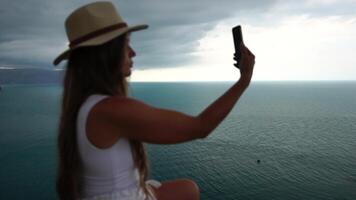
132, 52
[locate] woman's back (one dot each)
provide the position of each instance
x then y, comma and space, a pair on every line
104, 170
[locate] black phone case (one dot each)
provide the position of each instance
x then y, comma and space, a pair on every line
237, 34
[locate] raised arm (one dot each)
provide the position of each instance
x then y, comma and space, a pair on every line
134, 119
214, 114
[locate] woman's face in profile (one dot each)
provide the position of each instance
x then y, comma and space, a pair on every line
128, 54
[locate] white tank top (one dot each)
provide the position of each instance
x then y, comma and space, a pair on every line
105, 170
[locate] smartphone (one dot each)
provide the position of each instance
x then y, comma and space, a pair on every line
237, 34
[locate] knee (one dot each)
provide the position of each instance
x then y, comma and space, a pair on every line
192, 187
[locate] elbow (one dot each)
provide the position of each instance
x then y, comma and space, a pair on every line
203, 130
203, 135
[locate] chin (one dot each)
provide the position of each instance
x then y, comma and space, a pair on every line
128, 74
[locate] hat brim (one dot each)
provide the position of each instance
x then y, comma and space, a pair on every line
99, 40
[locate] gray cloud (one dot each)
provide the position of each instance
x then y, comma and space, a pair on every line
317, 8
33, 31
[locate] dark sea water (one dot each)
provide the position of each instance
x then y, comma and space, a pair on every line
303, 133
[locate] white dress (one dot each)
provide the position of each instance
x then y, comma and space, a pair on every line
110, 173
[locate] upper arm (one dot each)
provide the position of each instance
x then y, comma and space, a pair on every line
136, 120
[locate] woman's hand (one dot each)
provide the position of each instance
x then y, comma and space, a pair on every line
247, 63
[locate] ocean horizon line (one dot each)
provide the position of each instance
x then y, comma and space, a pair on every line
168, 82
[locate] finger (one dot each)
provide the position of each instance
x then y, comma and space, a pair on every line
241, 44
249, 52
243, 50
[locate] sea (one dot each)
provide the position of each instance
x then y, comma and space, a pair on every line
281, 141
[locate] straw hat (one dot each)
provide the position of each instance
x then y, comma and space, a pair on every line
94, 24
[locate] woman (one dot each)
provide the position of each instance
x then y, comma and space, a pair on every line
102, 130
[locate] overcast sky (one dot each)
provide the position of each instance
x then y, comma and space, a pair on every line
192, 41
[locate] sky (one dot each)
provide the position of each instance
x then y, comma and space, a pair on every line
192, 40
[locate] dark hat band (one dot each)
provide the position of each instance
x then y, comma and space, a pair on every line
96, 34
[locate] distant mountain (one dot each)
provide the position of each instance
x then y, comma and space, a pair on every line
30, 76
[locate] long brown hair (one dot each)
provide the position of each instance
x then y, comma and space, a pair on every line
90, 70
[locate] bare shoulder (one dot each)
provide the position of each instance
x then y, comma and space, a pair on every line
120, 105
101, 131
121, 110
